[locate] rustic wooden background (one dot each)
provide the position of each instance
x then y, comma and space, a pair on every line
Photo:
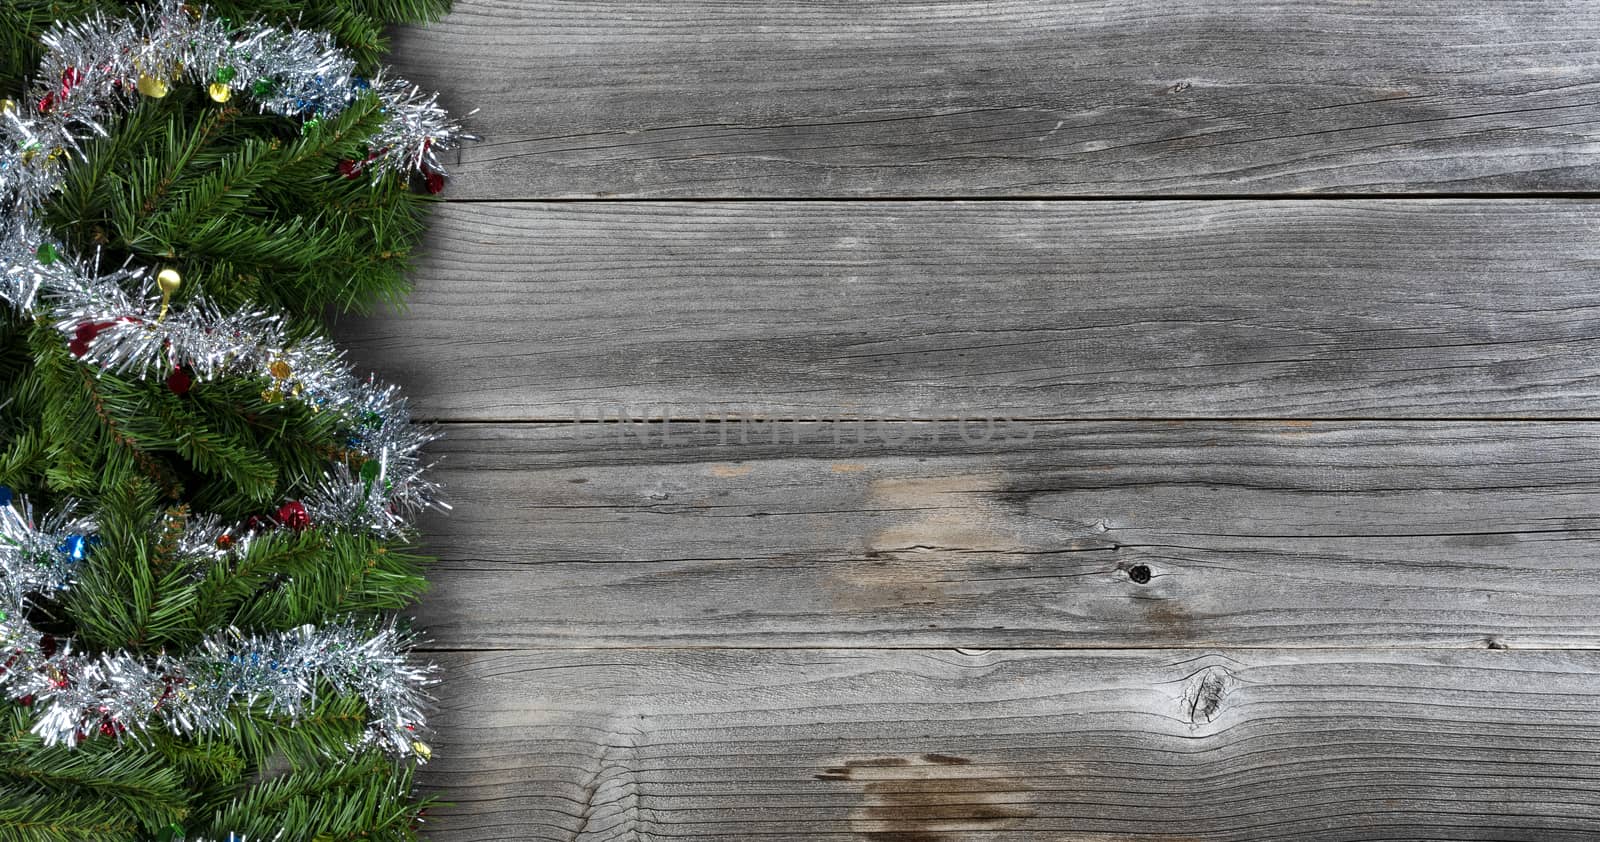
1048, 420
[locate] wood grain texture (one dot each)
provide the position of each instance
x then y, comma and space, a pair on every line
1082, 534
877, 98
1445, 308
896, 630
964, 746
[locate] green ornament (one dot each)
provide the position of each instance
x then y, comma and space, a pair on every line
369, 471
226, 73
262, 87
46, 253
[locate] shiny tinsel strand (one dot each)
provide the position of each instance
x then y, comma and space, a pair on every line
116, 319
376, 486
92, 72
76, 695
95, 69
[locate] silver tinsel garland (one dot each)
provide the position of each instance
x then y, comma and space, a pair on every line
76, 695
120, 322
376, 486
95, 69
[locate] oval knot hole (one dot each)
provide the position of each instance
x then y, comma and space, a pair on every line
1203, 695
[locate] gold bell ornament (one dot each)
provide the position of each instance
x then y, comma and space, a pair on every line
168, 280
152, 86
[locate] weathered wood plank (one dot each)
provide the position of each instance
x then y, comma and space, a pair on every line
962, 746
1078, 534
878, 98
1016, 309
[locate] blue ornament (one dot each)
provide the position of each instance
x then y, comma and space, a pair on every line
76, 547
5, 495
360, 83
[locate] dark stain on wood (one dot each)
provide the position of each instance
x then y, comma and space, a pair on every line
931, 797
1166, 617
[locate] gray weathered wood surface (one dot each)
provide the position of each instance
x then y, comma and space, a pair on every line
1251, 533
1026, 535
1017, 309
643, 98
950, 746
1289, 532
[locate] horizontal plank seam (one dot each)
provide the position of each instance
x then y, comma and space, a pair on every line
1488, 645
1090, 419
1038, 197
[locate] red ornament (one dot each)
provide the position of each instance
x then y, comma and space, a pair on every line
85, 333
254, 523
179, 381
293, 515
434, 179
26, 701
47, 103
81, 337
351, 170
69, 77
47, 645
225, 541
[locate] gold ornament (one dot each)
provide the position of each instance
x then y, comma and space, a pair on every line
8, 107
422, 750
168, 280
219, 91
279, 369
152, 87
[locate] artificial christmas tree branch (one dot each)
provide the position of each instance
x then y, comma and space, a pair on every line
204, 513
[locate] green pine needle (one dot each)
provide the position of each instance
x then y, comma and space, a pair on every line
253, 212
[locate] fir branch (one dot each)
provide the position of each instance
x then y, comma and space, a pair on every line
255, 211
